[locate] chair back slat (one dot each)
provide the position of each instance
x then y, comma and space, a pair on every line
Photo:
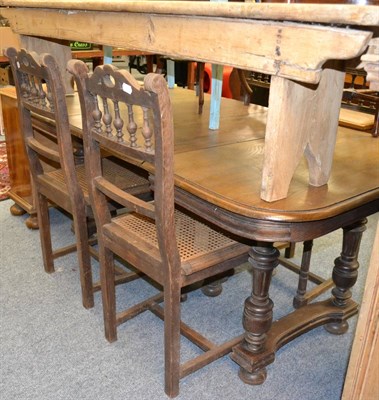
125, 199
43, 150
43, 111
134, 123
133, 154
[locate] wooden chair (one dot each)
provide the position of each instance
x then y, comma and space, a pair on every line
167, 245
363, 100
55, 177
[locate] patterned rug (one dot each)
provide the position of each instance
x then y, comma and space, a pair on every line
4, 172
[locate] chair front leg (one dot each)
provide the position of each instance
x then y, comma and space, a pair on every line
108, 294
43, 216
172, 295
84, 259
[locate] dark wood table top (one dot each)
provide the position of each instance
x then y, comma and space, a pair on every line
224, 167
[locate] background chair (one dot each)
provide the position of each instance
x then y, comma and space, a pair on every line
55, 177
167, 245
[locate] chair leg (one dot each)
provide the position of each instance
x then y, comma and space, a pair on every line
289, 251
84, 258
172, 294
44, 230
108, 294
200, 71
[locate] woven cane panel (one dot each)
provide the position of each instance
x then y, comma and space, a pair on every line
120, 176
193, 237
57, 175
80, 172
113, 172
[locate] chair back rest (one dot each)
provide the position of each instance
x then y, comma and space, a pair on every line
40, 92
133, 123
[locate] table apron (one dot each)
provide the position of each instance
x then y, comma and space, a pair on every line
272, 231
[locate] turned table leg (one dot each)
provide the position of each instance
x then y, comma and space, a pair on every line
213, 287
300, 300
257, 316
345, 272
263, 337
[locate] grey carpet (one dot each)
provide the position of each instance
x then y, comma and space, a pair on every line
53, 349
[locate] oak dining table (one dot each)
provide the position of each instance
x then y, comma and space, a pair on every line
286, 173
217, 177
